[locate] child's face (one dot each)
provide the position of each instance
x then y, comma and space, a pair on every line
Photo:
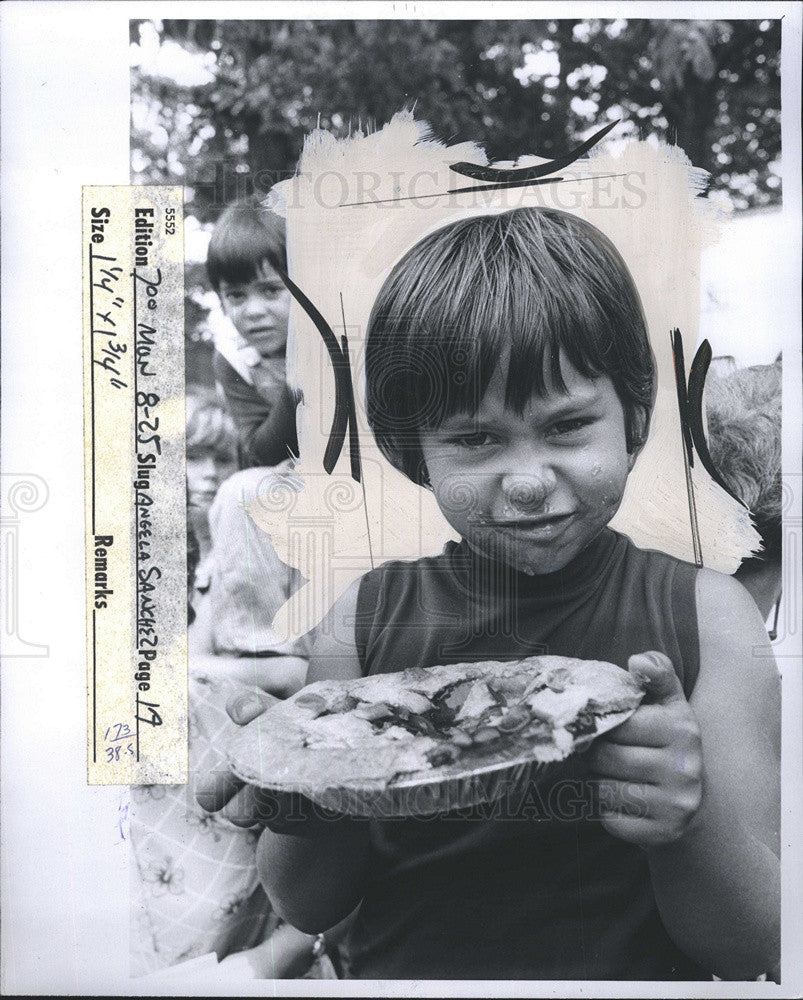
259, 309
207, 468
532, 490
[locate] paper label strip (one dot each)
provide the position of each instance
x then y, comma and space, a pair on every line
133, 295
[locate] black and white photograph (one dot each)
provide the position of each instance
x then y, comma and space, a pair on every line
485, 511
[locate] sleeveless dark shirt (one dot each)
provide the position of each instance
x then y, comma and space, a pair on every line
531, 886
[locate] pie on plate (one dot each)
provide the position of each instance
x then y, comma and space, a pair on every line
431, 739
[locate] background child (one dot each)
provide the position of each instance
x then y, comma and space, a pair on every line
622, 863
250, 369
252, 583
744, 426
211, 445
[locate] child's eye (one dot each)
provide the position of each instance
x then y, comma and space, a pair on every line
572, 426
476, 440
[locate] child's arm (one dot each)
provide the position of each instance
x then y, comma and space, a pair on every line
271, 441
266, 432
314, 877
704, 777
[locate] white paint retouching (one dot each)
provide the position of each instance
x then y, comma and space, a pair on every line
644, 197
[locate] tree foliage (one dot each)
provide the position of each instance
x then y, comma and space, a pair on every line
237, 121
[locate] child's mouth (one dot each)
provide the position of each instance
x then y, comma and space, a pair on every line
531, 526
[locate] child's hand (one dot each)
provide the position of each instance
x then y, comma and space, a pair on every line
650, 767
246, 805
221, 790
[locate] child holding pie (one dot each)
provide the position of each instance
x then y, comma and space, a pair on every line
663, 863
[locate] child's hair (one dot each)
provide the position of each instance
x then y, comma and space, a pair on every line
209, 426
244, 236
531, 282
744, 438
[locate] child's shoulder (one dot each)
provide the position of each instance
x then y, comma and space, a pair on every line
723, 603
737, 698
737, 667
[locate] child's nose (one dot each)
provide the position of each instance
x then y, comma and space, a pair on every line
528, 493
204, 466
254, 305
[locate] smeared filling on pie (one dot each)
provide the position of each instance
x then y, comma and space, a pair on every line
465, 719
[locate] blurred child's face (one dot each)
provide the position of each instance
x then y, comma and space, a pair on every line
259, 309
207, 468
532, 490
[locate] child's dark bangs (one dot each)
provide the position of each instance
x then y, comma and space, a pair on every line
521, 290
491, 291
535, 355
238, 255
566, 297
243, 238
470, 342
521, 301
477, 306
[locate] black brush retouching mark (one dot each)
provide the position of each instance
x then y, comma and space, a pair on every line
481, 187
512, 176
344, 393
354, 438
680, 383
688, 458
694, 415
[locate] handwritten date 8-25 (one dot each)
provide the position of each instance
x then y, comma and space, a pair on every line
145, 400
